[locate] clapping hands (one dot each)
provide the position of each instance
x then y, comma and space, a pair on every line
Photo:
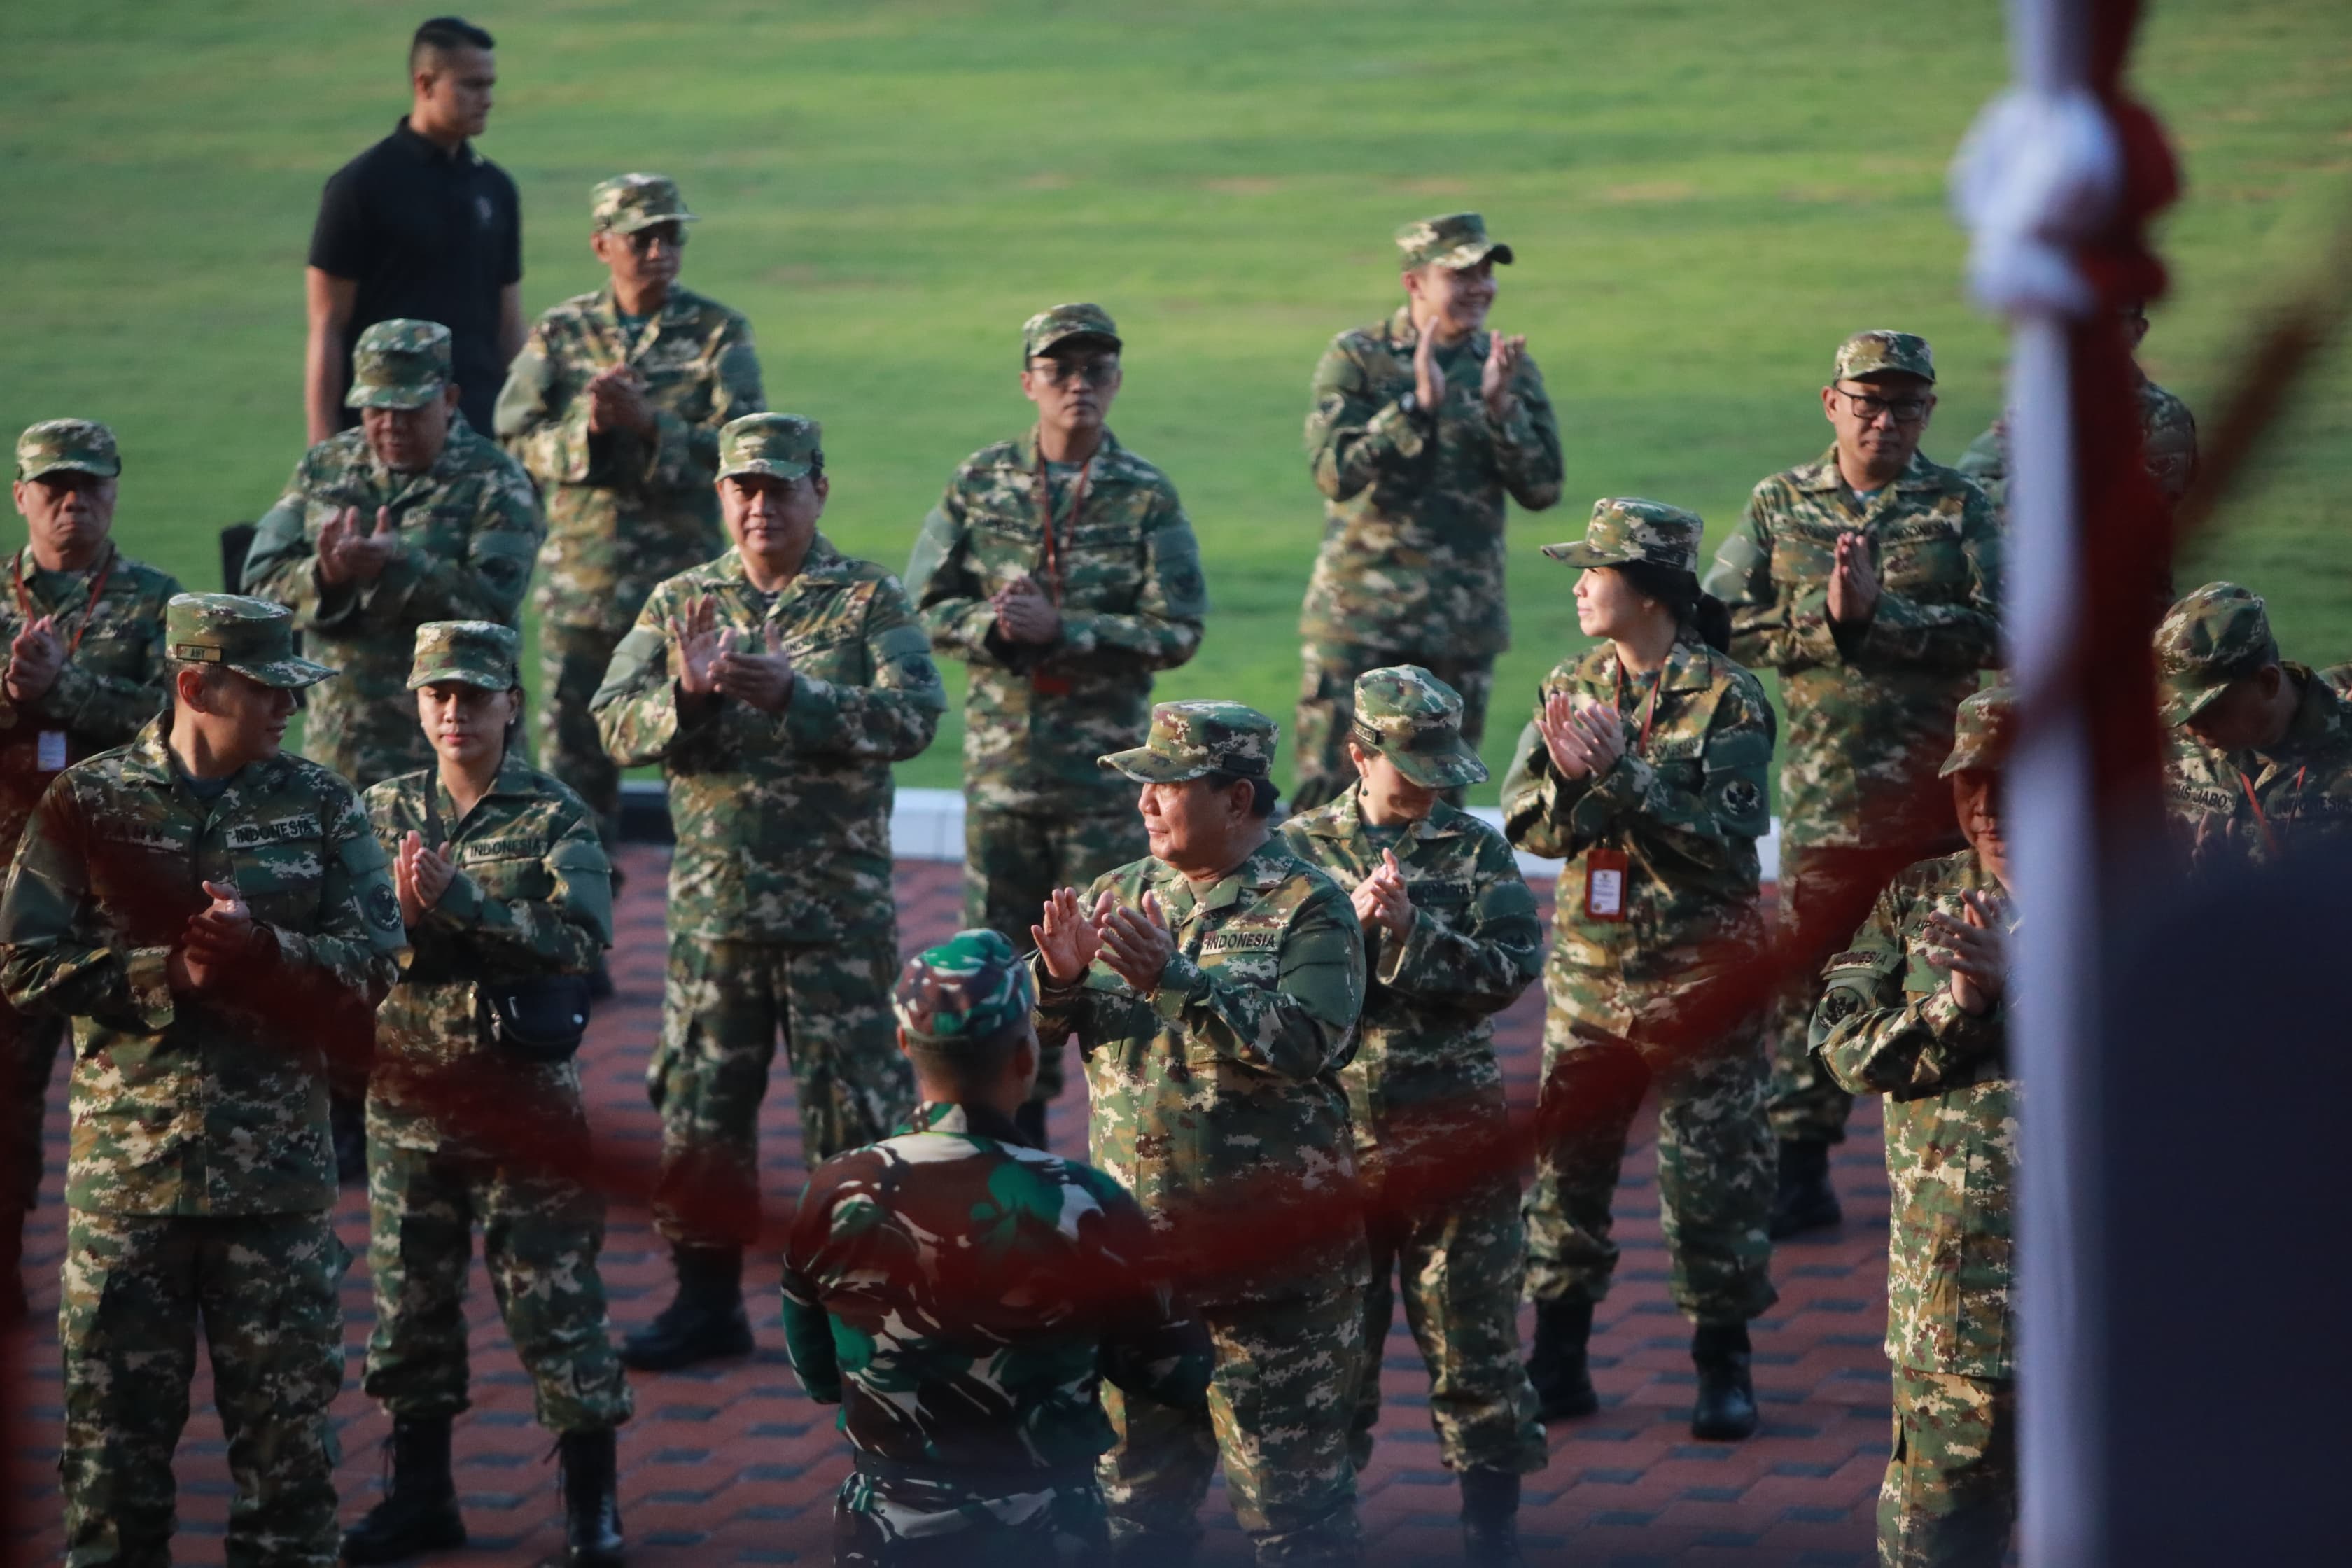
1971, 952
1583, 740
36, 657
420, 875
1136, 942
348, 555
710, 661
1381, 900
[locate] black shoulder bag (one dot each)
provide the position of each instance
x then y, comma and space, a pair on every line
541, 1019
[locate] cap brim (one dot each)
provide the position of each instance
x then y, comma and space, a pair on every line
1440, 770
1462, 256
2180, 707
631, 226
1963, 758
1145, 765
458, 675
285, 674
393, 396
1926, 375
1053, 340
771, 467
1577, 553
79, 466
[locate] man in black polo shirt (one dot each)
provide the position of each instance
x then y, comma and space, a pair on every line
423, 226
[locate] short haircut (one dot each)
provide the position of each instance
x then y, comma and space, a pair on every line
445, 34
969, 1067
1263, 793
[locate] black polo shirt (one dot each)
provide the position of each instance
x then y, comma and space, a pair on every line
428, 235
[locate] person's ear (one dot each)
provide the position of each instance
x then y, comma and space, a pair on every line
823, 486
449, 395
600, 245
904, 1049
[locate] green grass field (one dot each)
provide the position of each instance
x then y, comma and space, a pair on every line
1705, 197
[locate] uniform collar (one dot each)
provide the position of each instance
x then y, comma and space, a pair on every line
1404, 337
456, 457
1823, 474
822, 563
2320, 720
512, 781
1094, 464
1268, 866
956, 1119
418, 145
1343, 821
678, 310
1687, 667
147, 759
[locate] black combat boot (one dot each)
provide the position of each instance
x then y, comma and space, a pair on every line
1556, 1365
592, 1499
1726, 1411
1805, 1200
420, 1513
1490, 1518
704, 1323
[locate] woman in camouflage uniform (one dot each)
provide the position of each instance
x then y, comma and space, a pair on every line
1644, 769
501, 877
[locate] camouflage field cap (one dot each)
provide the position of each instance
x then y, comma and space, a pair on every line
2216, 635
781, 446
83, 446
1042, 331
1192, 740
964, 990
468, 653
1455, 239
399, 363
1882, 353
251, 636
1626, 529
1414, 719
628, 202
1983, 730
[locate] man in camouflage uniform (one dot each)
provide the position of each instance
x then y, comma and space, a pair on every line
962, 1295
1870, 579
409, 517
84, 626
614, 407
1422, 425
1451, 938
775, 686
460, 1131
205, 906
1061, 568
2261, 757
1213, 988
1914, 1010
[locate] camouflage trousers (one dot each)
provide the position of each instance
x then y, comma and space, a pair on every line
1012, 861
892, 1523
29, 1059
540, 1236
366, 740
1280, 1399
1327, 709
1950, 1493
724, 1004
265, 1287
1717, 1170
572, 660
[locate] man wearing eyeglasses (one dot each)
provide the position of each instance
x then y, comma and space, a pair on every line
1870, 579
1061, 567
614, 407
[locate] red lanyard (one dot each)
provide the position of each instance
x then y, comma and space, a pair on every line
1046, 518
97, 586
1649, 705
2261, 817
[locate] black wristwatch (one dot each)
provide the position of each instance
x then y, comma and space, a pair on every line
1409, 406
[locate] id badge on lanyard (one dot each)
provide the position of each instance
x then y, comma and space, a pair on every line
1041, 682
1605, 884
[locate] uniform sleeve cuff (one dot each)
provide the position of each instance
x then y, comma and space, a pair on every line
147, 971
1177, 984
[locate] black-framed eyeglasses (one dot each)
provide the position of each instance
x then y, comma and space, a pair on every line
668, 235
1097, 371
1868, 406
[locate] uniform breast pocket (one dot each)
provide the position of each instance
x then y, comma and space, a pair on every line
1923, 561
1802, 558
510, 875
836, 657
1102, 566
279, 868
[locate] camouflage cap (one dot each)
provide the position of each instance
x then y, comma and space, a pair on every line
251, 636
1882, 353
468, 652
1042, 331
2216, 635
399, 363
1454, 239
83, 446
962, 992
1192, 740
1983, 730
1414, 719
1626, 529
781, 446
628, 202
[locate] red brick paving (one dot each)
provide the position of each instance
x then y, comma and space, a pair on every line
735, 1466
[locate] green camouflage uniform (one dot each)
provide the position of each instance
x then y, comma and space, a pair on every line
1424, 1085
532, 896
963, 1296
780, 911
624, 510
2256, 807
1125, 571
1887, 1025
1869, 709
200, 1176
1217, 1101
1411, 570
112, 618
469, 526
1683, 809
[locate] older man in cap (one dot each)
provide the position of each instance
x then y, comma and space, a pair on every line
1061, 567
1452, 938
963, 1296
1422, 425
614, 406
1213, 987
775, 686
412, 517
201, 904
1913, 1009
1870, 579
2262, 760
84, 626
